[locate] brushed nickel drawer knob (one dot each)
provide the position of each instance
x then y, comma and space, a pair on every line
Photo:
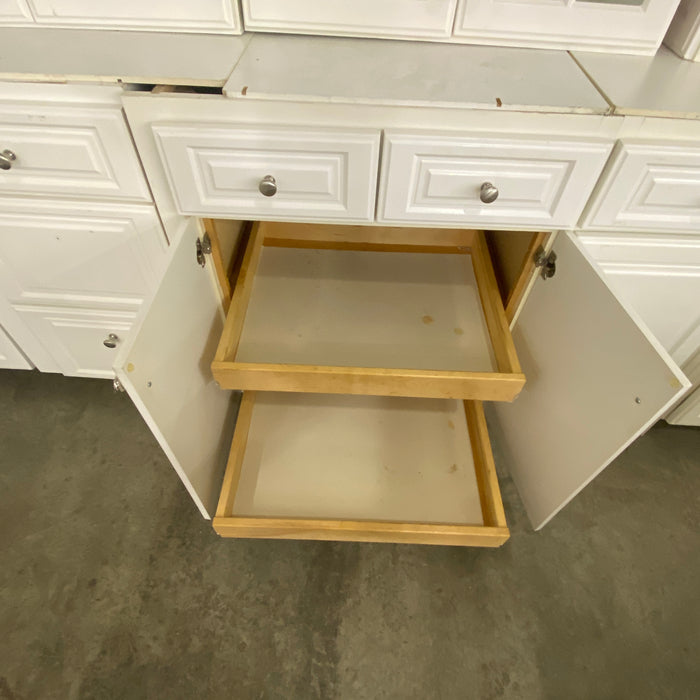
488, 193
7, 157
268, 186
111, 341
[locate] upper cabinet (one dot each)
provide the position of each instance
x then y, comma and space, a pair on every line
398, 19
218, 16
617, 26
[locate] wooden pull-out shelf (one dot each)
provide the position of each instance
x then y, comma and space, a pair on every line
367, 469
367, 310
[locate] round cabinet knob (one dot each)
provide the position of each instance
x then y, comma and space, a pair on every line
111, 341
268, 186
7, 157
488, 193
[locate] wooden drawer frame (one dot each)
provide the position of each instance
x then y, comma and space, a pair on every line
502, 385
493, 533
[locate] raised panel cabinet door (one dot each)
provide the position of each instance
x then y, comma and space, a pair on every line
81, 151
176, 15
11, 356
683, 35
385, 19
520, 183
165, 369
648, 187
624, 26
15, 12
659, 277
596, 380
278, 173
81, 342
89, 254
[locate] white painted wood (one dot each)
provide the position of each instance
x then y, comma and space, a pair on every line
166, 15
358, 457
542, 183
648, 186
411, 73
622, 27
659, 277
47, 54
81, 151
683, 35
398, 19
659, 85
145, 109
11, 356
165, 368
366, 309
688, 412
587, 360
79, 254
320, 173
74, 337
13, 11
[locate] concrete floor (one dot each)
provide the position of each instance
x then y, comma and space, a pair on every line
112, 586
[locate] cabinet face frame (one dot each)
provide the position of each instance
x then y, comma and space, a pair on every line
501, 385
570, 24
493, 533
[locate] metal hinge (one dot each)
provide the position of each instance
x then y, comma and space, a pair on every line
548, 263
203, 248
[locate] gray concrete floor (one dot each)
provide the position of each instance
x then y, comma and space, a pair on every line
112, 586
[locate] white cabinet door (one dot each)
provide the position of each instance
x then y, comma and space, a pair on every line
385, 19
15, 12
659, 277
648, 187
80, 151
619, 26
10, 355
165, 368
684, 33
88, 254
537, 182
176, 15
312, 174
596, 379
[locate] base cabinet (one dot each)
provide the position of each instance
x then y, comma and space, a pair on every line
590, 370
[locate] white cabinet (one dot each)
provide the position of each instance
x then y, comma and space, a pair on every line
220, 16
474, 180
66, 149
10, 355
90, 255
648, 186
622, 26
387, 19
271, 172
12, 11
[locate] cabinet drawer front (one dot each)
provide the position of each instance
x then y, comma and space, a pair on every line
83, 151
318, 175
180, 15
389, 18
91, 255
649, 187
75, 338
363, 469
540, 183
363, 310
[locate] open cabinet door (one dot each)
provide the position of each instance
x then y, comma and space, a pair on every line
596, 379
165, 370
